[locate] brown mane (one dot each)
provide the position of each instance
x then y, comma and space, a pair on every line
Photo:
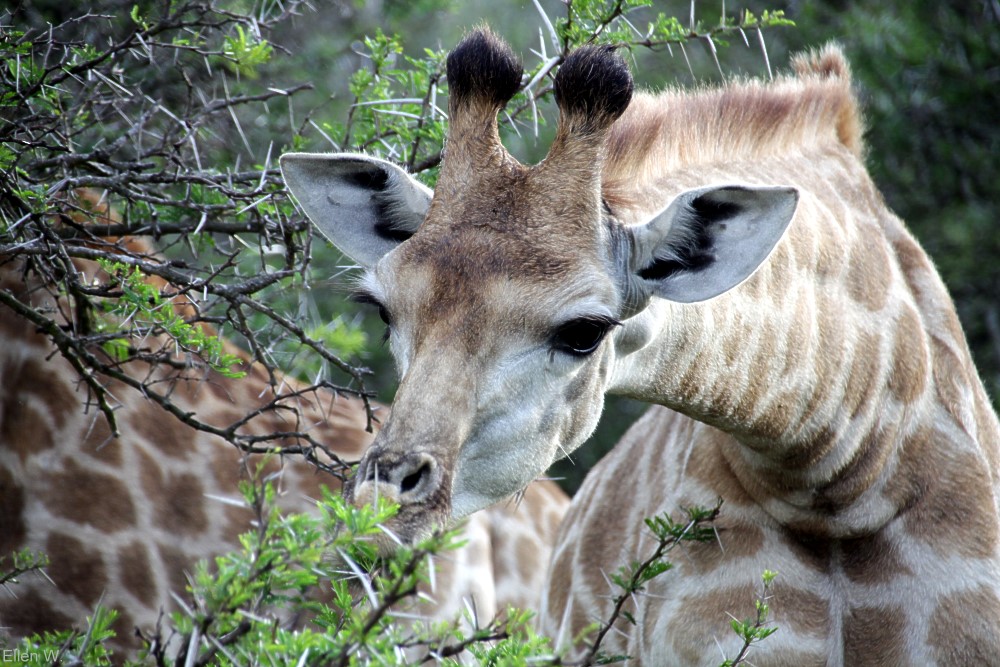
749, 119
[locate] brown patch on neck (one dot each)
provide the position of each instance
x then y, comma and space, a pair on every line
875, 636
28, 385
941, 495
909, 358
76, 569
90, 497
134, 568
178, 498
12, 528
31, 612
974, 640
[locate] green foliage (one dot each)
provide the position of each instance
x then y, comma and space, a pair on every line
141, 305
754, 630
324, 567
245, 53
68, 647
18, 563
395, 104
605, 22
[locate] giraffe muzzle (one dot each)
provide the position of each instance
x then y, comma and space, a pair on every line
407, 479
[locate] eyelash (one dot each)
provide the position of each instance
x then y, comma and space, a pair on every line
582, 336
383, 312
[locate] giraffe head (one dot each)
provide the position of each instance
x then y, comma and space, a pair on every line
511, 290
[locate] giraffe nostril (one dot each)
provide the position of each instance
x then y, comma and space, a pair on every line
412, 480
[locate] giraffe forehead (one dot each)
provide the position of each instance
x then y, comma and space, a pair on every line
484, 285
517, 200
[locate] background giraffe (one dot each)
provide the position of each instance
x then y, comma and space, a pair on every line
819, 380
124, 520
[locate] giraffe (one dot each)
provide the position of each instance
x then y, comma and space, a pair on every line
124, 520
724, 255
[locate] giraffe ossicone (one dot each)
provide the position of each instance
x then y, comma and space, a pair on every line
721, 253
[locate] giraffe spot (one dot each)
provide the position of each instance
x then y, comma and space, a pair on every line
973, 639
220, 390
24, 431
559, 584
186, 513
809, 452
18, 328
860, 473
810, 550
42, 380
29, 613
137, 574
831, 349
708, 464
868, 278
871, 560
544, 505
178, 498
737, 540
99, 444
864, 377
12, 528
175, 563
803, 246
801, 611
124, 626
909, 358
528, 553
165, 434
940, 492
76, 569
912, 260
830, 261
989, 436
87, 496
705, 616
237, 521
226, 467
691, 381
796, 338
778, 416
951, 381
759, 379
875, 636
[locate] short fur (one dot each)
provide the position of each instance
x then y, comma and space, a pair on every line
676, 128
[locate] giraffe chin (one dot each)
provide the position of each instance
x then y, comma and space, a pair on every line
412, 522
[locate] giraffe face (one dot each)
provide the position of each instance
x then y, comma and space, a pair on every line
507, 290
503, 370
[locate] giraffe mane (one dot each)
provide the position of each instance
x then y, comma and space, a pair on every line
742, 120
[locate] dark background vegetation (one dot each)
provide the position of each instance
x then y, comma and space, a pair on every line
928, 74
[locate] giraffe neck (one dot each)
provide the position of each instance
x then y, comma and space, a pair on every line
823, 364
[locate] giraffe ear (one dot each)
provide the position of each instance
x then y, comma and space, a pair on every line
709, 240
364, 205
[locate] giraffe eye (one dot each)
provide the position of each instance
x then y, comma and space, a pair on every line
383, 312
582, 336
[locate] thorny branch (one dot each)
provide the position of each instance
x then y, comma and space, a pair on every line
105, 136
